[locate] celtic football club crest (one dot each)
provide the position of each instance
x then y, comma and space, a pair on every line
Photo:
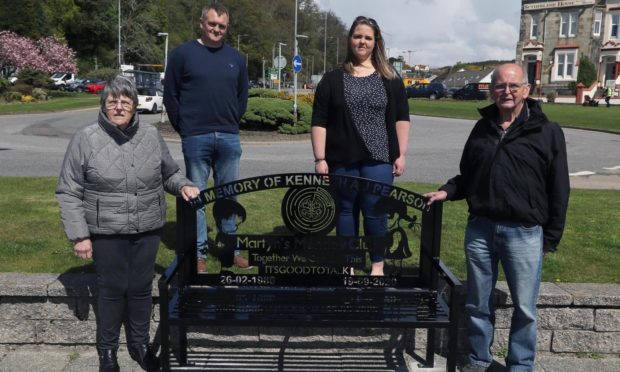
309, 210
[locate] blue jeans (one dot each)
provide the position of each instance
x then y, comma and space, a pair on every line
352, 202
519, 248
221, 152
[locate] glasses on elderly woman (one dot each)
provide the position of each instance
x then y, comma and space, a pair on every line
126, 105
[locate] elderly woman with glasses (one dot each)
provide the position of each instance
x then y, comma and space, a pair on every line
113, 206
360, 127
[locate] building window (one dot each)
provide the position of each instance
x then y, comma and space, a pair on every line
568, 24
615, 19
596, 27
565, 65
535, 26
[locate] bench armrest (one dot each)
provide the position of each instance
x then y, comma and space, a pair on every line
450, 278
169, 274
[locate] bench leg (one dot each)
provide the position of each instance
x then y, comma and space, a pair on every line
452, 345
430, 348
453, 334
183, 345
164, 354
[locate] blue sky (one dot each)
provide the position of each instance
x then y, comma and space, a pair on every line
439, 32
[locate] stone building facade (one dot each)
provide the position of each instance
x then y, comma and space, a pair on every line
554, 34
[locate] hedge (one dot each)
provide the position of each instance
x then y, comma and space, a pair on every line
276, 114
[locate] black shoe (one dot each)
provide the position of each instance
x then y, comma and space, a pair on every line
107, 360
144, 355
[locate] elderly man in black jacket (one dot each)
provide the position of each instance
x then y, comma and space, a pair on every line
514, 175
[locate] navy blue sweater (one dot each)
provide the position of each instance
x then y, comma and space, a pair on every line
205, 89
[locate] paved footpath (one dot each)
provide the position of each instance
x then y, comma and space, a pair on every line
84, 359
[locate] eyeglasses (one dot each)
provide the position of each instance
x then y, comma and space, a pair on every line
125, 105
221, 26
513, 88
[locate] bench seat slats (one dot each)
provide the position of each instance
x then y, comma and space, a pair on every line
320, 306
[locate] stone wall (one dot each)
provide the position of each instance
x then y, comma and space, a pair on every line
58, 310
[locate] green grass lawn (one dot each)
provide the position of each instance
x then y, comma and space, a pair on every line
567, 115
70, 102
32, 238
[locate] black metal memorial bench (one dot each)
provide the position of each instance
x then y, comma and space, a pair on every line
305, 275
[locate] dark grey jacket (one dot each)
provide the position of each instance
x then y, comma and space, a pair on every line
112, 181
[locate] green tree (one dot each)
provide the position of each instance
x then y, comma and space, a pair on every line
93, 33
20, 18
587, 71
141, 20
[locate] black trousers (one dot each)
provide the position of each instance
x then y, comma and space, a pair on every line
124, 265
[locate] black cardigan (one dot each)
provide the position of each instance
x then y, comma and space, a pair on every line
344, 145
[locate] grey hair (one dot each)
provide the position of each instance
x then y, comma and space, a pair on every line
523, 71
219, 9
120, 86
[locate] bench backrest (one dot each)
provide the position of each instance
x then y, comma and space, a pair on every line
285, 225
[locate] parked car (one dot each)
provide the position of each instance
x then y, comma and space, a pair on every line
94, 87
150, 99
451, 91
254, 84
62, 79
77, 85
430, 91
479, 91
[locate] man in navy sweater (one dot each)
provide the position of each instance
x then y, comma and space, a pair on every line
206, 94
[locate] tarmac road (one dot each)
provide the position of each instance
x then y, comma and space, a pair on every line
34, 145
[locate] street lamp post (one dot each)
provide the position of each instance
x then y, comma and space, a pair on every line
119, 35
165, 48
280, 67
295, 77
264, 85
239, 49
337, 50
337, 39
295, 73
325, 46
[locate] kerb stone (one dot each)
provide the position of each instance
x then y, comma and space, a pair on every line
589, 294
23, 284
607, 320
585, 342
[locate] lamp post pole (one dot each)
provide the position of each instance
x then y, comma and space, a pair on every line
165, 48
264, 85
119, 35
325, 47
247, 57
295, 73
337, 50
279, 67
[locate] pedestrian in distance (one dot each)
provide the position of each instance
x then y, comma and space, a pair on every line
360, 127
608, 94
206, 94
514, 176
112, 204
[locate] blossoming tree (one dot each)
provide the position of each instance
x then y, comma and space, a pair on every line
47, 54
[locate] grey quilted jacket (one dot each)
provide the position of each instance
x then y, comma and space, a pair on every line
112, 181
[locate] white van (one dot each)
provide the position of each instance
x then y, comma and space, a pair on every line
62, 79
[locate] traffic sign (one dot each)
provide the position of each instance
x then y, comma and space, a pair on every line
279, 62
273, 74
297, 63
